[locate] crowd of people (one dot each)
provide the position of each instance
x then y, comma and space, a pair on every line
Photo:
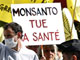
14, 48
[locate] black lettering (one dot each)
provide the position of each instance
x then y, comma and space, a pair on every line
5, 8
9, 9
1, 7
33, 11
38, 11
16, 12
54, 10
28, 11
22, 11
44, 11
49, 10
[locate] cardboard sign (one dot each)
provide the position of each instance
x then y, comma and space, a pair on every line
42, 23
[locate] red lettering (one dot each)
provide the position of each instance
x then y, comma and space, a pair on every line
51, 35
31, 23
46, 36
43, 22
35, 36
38, 23
43, 36
25, 37
40, 36
56, 35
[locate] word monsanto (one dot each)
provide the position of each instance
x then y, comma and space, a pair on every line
35, 11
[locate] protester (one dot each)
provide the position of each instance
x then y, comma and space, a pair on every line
50, 53
70, 49
14, 48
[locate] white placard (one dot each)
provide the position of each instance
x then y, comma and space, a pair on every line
42, 23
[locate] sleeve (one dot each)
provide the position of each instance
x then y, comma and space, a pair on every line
36, 57
1, 46
2, 51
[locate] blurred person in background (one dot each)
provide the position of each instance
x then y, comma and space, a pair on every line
70, 49
51, 53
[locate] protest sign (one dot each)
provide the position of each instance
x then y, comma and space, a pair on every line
42, 23
5, 7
